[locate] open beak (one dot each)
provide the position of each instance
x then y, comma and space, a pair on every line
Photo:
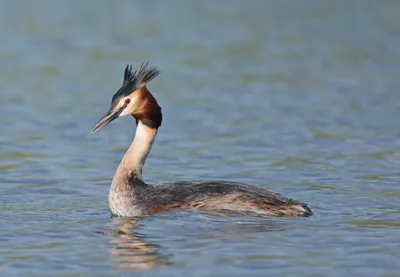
107, 118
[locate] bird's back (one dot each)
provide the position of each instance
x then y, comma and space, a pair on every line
221, 196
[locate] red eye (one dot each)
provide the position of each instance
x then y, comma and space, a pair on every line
127, 101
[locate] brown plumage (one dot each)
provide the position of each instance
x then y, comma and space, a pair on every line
148, 111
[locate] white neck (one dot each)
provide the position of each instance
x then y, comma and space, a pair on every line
134, 159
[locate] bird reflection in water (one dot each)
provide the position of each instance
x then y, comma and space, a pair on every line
130, 250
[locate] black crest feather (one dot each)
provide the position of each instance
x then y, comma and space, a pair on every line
134, 78
144, 75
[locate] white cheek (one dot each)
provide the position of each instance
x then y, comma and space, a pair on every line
124, 113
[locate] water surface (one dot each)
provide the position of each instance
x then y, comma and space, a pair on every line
301, 98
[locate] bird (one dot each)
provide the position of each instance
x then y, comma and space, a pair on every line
130, 196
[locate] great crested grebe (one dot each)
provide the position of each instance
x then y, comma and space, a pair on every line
129, 196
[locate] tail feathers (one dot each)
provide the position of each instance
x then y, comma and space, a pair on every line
300, 208
293, 208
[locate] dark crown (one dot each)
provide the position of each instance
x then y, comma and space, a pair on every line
144, 75
133, 79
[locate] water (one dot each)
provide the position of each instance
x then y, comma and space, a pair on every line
300, 97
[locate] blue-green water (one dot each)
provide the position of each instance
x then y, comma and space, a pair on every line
300, 97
